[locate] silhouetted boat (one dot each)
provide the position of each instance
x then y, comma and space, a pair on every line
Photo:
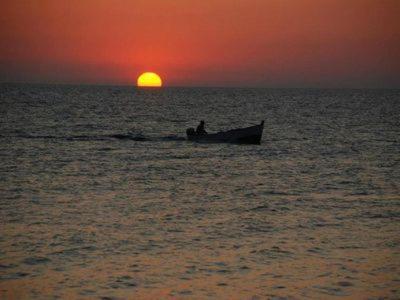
247, 135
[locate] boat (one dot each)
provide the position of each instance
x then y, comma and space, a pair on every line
247, 135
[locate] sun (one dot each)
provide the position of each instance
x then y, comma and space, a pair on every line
149, 79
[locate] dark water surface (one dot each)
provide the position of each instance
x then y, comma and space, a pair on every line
101, 196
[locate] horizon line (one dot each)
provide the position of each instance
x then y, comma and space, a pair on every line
196, 86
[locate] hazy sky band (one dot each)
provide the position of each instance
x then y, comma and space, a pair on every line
271, 43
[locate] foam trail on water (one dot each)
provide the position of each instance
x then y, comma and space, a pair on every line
118, 136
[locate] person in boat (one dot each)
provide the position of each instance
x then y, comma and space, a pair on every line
200, 129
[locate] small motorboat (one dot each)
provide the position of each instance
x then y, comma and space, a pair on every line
247, 135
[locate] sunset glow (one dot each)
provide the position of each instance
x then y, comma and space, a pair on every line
274, 43
149, 79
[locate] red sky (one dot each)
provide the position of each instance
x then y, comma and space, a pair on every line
270, 43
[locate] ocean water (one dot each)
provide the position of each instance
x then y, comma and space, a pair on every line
102, 197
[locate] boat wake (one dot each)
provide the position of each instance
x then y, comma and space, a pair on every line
141, 137
117, 136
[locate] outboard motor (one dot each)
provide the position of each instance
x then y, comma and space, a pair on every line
190, 131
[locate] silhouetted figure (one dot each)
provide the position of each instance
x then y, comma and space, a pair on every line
200, 129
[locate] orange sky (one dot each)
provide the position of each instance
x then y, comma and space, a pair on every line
271, 43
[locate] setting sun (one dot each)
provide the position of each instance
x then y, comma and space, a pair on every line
149, 79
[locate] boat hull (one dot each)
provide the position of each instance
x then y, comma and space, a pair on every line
248, 135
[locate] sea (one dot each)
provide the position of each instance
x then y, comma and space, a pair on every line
102, 196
